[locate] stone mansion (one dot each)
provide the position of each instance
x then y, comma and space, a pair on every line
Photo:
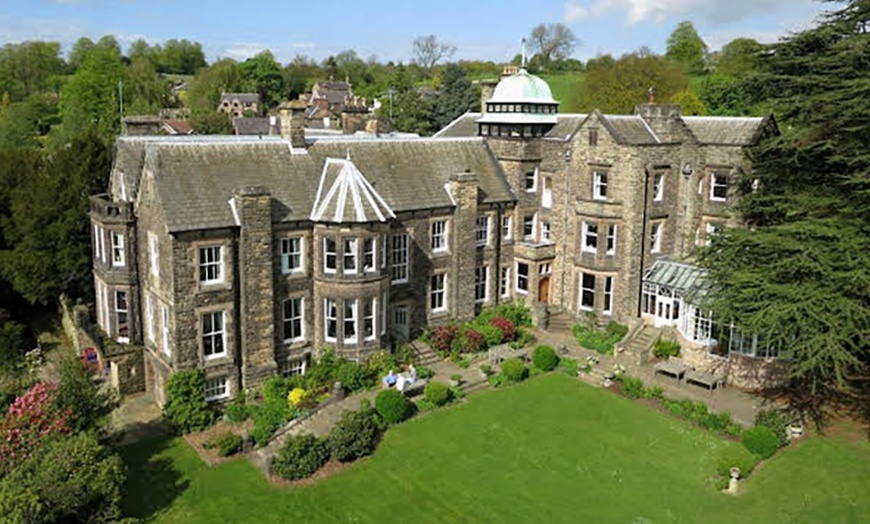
245, 255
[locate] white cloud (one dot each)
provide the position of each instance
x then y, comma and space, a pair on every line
714, 12
19, 29
244, 50
303, 45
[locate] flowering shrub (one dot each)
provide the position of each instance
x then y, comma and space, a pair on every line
442, 338
296, 396
507, 328
473, 341
29, 421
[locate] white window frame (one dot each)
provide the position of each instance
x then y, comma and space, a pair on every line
607, 308
125, 311
154, 248
211, 257
217, 388
370, 254
292, 254
350, 318
370, 306
294, 366
214, 334
507, 223
438, 236
481, 229
383, 312
522, 278
590, 236
481, 284
100, 243
164, 327
330, 315
438, 292
399, 258
659, 187
530, 236
655, 237
583, 289
350, 253
383, 251
599, 185
534, 178
715, 184
296, 314
119, 258
149, 316
610, 244
545, 231
505, 282
330, 255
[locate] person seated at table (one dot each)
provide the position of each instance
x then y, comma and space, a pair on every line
406, 378
390, 380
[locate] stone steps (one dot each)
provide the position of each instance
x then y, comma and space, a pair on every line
643, 340
560, 322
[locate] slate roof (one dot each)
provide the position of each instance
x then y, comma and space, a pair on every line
345, 196
630, 129
726, 130
466, 126
333, 91
195, 177
252, 98
255, 126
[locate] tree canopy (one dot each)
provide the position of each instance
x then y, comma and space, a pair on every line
687, 48
799, 276
551, 42
428, 51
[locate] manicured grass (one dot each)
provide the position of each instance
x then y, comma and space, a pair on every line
563, 86
551, 449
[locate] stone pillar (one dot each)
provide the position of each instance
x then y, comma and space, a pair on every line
487, 88
292, 115
256, 304
463, 188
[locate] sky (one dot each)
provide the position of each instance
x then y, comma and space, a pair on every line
480, 30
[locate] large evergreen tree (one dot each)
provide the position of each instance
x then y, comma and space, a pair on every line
799, 275
455, 97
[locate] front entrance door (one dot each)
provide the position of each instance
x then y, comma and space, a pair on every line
667, 311
400, 322
544, 290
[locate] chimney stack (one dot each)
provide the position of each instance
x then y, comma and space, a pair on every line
292, 116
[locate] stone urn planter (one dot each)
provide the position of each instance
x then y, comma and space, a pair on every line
795, 430
455, 381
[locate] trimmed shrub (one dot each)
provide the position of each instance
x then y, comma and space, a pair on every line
268, 417
775, 420
735, 457
300, 457
186, 408
514, 370
436, 393
545, 358
632, 387
356, 435
516, 312
296, 397
353, 376
506, 327
654, 392
666, 348
424, 372
392, 406
227, 444
598, 340
761, 441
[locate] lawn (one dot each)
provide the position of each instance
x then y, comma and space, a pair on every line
551, 449
563, 85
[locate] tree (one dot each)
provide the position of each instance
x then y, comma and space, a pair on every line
690, 103
725, 95
80, 50
221, 77
12, 346
739, 57
552, 42
70, 479
211, 123
87, 405
299, 76
618, 88
29, 68
687, 48
146, 92
90, 98
799, 277
455, 97
181, 57
49, 230
428, 51
411, 113
262, 74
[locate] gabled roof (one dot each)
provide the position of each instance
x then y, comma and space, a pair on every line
252, 98
629, 129
727, 130
345, 196
256, 125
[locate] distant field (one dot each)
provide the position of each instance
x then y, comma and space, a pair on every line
563, 85
550, 450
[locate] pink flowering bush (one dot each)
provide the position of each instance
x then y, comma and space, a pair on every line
442, 338
29, 421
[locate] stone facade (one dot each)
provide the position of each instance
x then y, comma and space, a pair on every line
246, 256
